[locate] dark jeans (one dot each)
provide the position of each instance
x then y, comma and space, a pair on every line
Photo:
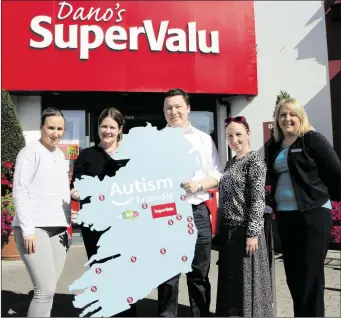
90, 239
305, 238
199, 287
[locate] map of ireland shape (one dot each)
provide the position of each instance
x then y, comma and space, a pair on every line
149, 223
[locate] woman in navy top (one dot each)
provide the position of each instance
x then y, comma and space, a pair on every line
305, 175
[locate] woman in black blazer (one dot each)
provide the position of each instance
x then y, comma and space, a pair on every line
305, 176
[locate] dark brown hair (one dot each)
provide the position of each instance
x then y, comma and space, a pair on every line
114, 114
178, 92
48, 112
237, 119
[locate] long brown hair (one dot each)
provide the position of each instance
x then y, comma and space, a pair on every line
116, 115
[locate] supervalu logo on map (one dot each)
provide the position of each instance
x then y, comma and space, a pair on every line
163, 210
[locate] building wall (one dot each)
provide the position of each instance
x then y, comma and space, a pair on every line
333, 28
29, 111
292, 56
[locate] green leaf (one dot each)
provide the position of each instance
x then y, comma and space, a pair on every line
12, 138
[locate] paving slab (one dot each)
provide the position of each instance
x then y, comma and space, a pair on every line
17, 288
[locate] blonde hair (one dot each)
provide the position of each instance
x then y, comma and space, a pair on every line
296, 107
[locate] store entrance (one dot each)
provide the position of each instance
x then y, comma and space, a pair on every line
137, 108
131, 120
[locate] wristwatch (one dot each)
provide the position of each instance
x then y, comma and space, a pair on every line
200, 187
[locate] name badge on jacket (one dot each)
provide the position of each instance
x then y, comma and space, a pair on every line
296, 150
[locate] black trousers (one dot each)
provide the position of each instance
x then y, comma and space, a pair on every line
199, 287
305, 237
90, 239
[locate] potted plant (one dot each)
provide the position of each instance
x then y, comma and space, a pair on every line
12, 141
8, 246
336, 231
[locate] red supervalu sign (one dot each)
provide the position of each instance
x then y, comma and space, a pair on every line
201, 46
163, 210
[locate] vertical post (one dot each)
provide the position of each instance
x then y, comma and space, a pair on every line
222, 147
273, 271
268, 213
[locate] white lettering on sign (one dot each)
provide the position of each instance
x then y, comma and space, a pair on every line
141, 186
170, 209
66, 9
117, 38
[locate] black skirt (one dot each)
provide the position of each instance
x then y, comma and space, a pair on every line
244, 282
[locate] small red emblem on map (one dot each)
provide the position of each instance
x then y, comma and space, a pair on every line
101, 197
144, 206
190, 231
93, 289
130, 300
163, 251
184, 258
133, 259
190, 225
170, 222
179, 217
183, 197
98, 271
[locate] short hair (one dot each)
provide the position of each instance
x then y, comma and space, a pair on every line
178, 92
296, 107
114, 114
48, 112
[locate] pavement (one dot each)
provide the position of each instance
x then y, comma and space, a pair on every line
17, 288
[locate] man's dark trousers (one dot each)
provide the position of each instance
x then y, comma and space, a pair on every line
199, 287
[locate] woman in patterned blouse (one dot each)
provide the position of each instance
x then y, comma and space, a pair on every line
244, 282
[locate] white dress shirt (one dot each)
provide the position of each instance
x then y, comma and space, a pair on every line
210, 165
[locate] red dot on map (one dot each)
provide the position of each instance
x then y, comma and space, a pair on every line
179, 217
189, 219
93, 289
101, 197
163, 251
170, 222
133, 259
136, 214
144, 206
190, 225
184, 258
183, 197
98, 271
190, 231
130, 300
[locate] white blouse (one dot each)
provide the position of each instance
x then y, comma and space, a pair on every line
41, 189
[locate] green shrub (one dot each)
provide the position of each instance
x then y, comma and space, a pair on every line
280, 96
12, 138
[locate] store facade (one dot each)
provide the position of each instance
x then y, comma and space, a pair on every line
232, 57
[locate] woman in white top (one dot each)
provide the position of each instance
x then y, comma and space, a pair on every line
42, 197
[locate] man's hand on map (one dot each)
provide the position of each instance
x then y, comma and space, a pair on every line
74, 194
190, 186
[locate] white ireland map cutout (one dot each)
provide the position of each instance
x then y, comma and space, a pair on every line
149, 221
